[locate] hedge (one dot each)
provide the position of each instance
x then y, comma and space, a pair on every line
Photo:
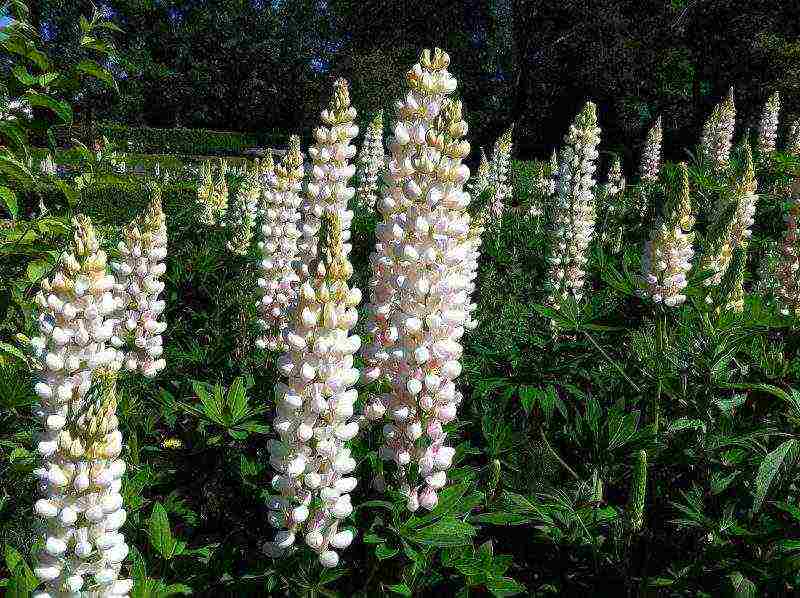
149, 140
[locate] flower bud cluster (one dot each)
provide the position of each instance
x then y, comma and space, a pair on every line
612, 196
502, 191
242, 212
80, 444
717, 140
212, 193
768, 125
668, 252
137, 288
788, 270
331, 171
481, 180
372, 162
720, 250
435, 252
266, 177
278, 246
574, 212
409, 163
315, 416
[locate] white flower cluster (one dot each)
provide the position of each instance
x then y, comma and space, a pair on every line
481, 180
435, 250
80, 445
48, 166
788, 270
416, 114
330, 173
502, 191
612, 196
718, 257
651, 154
242, 212
574, 213
793, 138
717, 140
278, 246
668, 252
314, 417
138, 285
372, 162
212, 194
768, 125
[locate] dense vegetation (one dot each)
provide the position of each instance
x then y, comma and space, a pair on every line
612, 445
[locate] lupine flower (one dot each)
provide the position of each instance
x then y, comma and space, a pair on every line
212, 194
48, 166
266, 176
143, 248
668, 252
788, 271
638, 491
574, 212
651, 154
502, 191
372, 162
715, 145
330, 174
314, 417
793, 138
242, 212
731, 229
428, 86
612, 195
481, 180
80, 444
278, 247
768, 125
433, 251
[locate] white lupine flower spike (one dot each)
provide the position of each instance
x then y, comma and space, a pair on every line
372, 161
668, 252
651, 154
481, 180
793, 138
314, 417
574, 212
502, 191
717, 140
330, 174
788, 269
80, 475
212, 194
278, 282
242, 212
433, 250
768, 125
137, 287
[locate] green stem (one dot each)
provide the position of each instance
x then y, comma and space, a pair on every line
612, 362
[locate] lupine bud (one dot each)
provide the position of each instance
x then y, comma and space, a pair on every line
715, 145
638, 489
212, 193
242, 211
501, 189
788, 267
768, 125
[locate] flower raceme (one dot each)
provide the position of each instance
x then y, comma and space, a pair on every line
481, 180
502, 191
717, 139
651, 154
788, 268
314, 417
80, 476
242, 212
768, 125
668, 252
372, 162
137, 287
408, 166
574, 212
330, 174
212, 194
278, 246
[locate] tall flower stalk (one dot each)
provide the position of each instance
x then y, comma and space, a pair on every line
372, 162
732, 227
330, 174
768, 125
138, 286
212, 193
788, 269
481, 180
432, 284
717, 140
80, 445
793, 138
314, 417
429, 82
242, 212
651, 154
574, 213
612, 194
502, 191
668, 253
278, 281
